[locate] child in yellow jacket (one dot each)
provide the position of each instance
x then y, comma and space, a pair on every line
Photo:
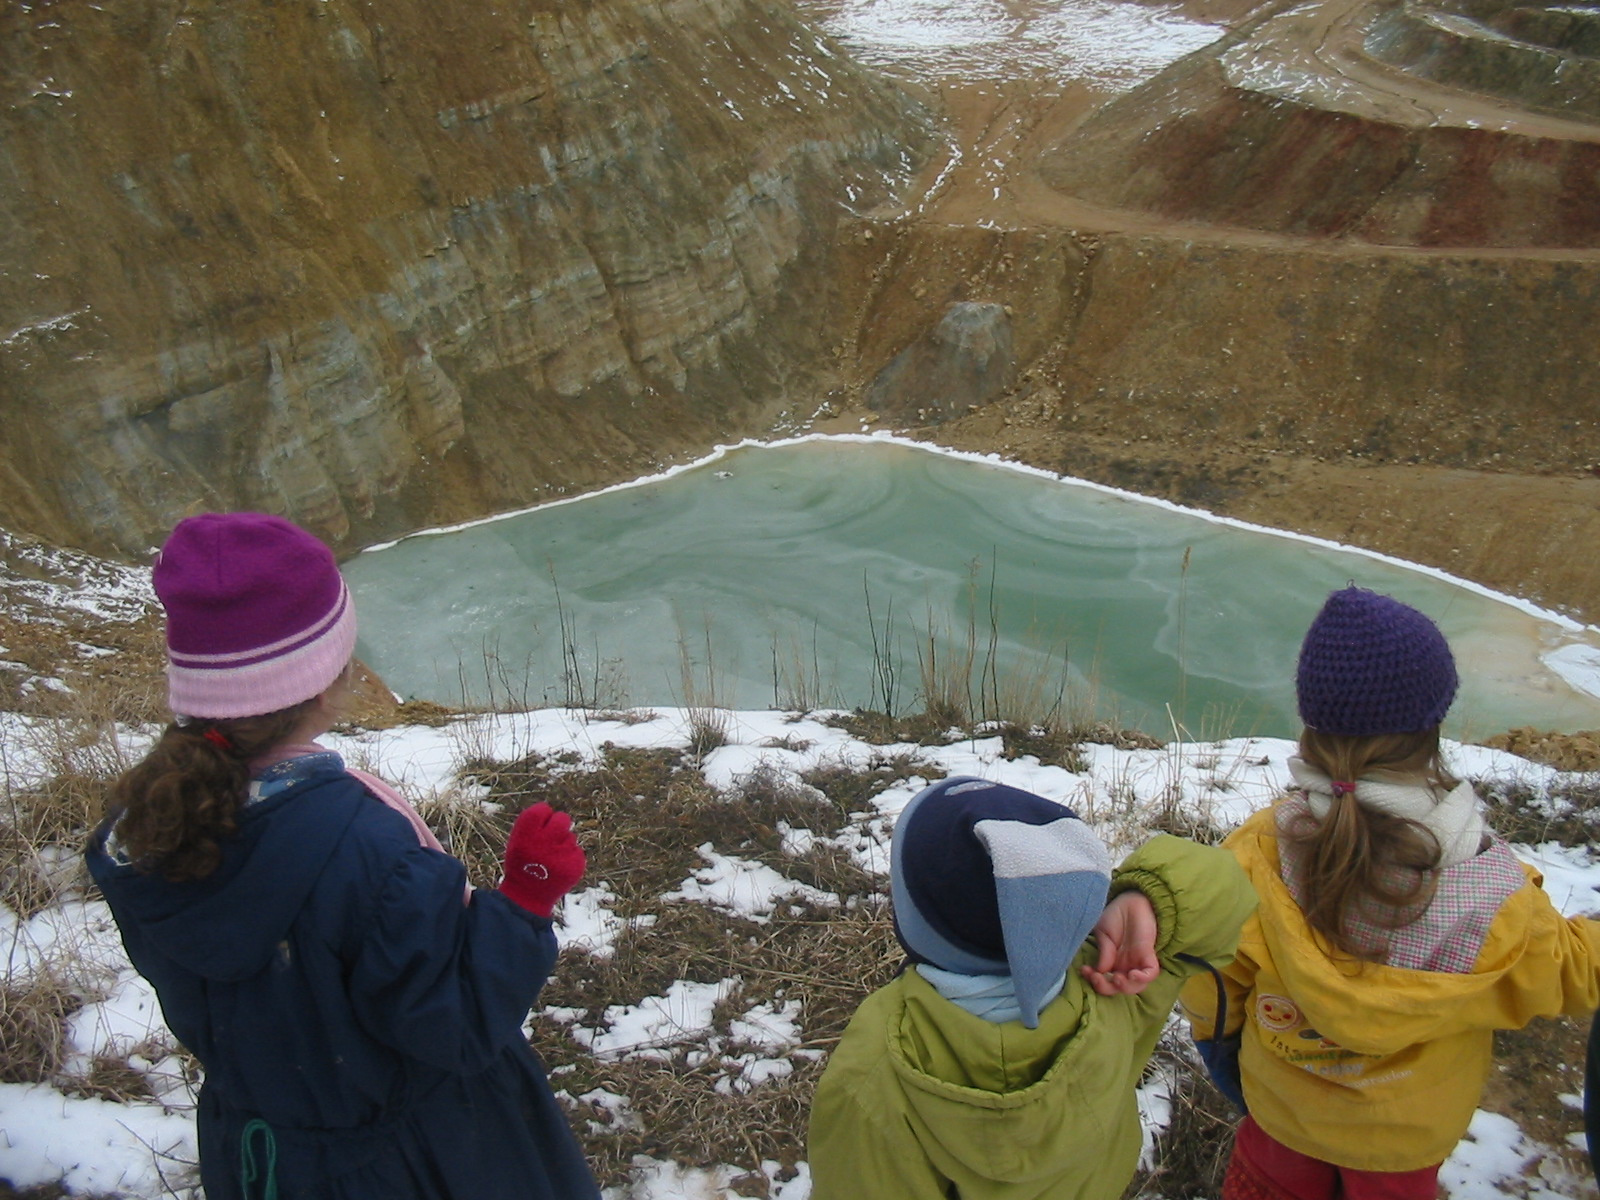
1395, 932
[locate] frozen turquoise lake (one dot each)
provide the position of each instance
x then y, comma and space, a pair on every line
828, 572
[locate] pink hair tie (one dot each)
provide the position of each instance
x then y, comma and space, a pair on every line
218, 739
1342, 788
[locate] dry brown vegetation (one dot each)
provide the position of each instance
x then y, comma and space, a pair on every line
1564, 751
1567, 812
644, 817
1534, 1069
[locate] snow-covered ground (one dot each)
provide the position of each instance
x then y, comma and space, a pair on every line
1111, 45
146, 1149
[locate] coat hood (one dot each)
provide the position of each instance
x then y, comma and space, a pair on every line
1006, 1102
227, 926
1336, 992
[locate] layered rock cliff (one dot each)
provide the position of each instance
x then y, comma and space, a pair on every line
379, 263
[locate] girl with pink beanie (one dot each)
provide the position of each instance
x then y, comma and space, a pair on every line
357, 1008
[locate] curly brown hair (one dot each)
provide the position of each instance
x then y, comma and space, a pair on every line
1356, 861
183, 800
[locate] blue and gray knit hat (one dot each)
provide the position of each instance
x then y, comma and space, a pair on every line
991, 880
1371, 665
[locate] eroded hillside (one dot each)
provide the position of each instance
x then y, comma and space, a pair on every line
381, 264
1337, 271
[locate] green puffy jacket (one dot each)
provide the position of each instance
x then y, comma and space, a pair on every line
923, 1099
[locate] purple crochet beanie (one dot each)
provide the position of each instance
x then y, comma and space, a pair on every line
1372, 665
258, 617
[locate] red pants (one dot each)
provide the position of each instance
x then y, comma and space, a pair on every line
1262, 1168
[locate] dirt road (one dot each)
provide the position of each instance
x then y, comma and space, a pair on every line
1520, 518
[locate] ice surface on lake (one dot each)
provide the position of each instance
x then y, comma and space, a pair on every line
839, 571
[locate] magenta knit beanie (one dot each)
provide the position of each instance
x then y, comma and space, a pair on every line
258, 617
1372, 665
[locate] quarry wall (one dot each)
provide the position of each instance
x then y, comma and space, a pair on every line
382, 263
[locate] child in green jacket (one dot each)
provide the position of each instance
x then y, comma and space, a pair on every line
1002, 1064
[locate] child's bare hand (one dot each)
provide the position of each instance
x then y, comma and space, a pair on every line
1126, 935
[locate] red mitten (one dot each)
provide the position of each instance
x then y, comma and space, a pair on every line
543, 859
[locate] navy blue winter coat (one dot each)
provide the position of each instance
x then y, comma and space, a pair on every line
336, 989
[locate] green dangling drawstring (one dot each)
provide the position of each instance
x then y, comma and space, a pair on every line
248, 1172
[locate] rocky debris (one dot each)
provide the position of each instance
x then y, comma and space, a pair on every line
1563, 751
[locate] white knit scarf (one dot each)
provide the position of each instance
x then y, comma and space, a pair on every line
1453, 817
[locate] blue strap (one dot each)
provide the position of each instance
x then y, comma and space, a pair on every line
249, 1173
1220, 1052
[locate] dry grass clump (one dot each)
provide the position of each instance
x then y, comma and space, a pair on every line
32, 1031
1567, 812
1053, 738
694, 1104
37, 867
47, 1191
708, 729
683, 1109
930, 728
851, 788
409, 712
1103, 733
1052, 745
1195, 827
643, 817
112, 1077
48, 808
1192, 1151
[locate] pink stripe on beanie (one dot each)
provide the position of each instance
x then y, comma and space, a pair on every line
258, 617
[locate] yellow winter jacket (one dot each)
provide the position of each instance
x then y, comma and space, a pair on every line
1376, 1067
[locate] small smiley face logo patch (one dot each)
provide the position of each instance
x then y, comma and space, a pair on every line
1277, 1013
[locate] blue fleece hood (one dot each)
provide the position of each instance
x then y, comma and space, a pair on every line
228, 926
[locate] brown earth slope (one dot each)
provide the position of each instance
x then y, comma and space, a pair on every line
379, 265
1285, 280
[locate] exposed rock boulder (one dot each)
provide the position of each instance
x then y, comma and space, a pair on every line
967, 359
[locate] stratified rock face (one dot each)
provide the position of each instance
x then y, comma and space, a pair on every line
377, 263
